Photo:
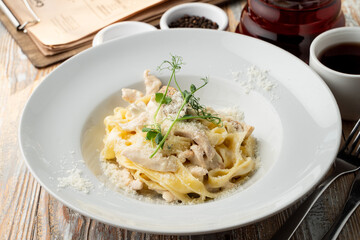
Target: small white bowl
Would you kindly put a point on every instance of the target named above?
(206, 10)
(120, 30)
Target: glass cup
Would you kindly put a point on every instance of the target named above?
(290, 24)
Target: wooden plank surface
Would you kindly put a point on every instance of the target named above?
(27, 211)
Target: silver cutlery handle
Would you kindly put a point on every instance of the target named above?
(294, 221)
(339, 223)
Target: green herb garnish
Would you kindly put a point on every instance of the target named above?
(173, 66)
(159, 98)
(154, 131)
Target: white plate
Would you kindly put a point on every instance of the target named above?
(297, 124)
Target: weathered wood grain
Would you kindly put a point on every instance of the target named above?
(27, 211)
(351, 9)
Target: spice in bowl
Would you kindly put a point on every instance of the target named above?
(188, 21)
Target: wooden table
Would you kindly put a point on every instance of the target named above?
(27, 211)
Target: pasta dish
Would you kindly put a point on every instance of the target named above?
(166, 143)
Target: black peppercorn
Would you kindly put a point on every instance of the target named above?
(193, 22)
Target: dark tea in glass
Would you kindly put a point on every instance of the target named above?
(289, 24)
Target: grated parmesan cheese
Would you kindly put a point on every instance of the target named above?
(255, 79)
(260, 78)
(75, 181)
(234, 112)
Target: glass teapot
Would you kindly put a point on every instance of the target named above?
(290, 24)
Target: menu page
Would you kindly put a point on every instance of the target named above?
(67, 21)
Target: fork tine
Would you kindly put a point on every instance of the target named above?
(357, 154)
(356, 141)
(351, 135)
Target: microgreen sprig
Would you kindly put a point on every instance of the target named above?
(154, 131)
(173, 66)
(200, 110)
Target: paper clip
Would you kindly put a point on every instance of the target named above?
(13, 19)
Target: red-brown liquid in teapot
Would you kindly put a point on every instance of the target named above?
(289, 24)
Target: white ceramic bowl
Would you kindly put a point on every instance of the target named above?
(70, 105)
(345, 87)
(120, 30)
(206, 10)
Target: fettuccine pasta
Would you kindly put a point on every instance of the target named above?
(199, 159)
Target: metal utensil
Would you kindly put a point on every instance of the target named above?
(343, 164)
(352, 202)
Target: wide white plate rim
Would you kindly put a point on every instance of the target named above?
(150, 230)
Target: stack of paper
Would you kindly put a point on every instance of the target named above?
(65, 25)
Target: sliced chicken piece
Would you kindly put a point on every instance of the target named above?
(198, 172)
(136, 123)
(203, 147)
(135, 109)
(198, 156)
(136, 184)
(131, 95)
(241, 126)
(152, 106)
(152, 83)
(171, 91)
(217, 162)
(199, 138)
(168, 196)
(171, 110)
(188, 154)
(236, 125)
(157, 163)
